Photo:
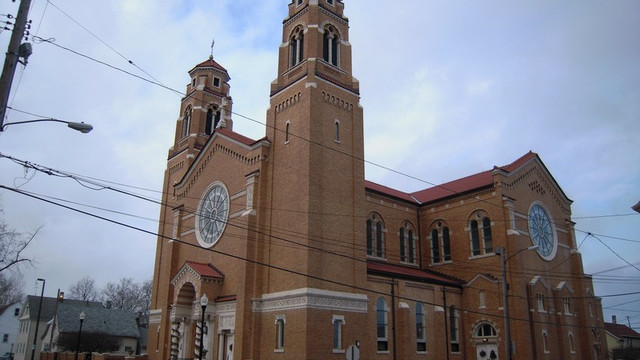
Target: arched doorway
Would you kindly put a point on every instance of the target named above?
(486, 340)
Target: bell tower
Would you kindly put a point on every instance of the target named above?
(316, 169)
(205, 107)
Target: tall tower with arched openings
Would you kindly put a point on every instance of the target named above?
(316, 169)
(205, 107)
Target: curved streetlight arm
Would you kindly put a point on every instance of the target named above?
(78, 126)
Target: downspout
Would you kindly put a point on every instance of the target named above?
(393, 315)
(446, 327)
(419, 238)
(532, 329)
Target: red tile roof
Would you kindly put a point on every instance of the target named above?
(237, 137)
(469, 183)
(206, 270)
(209, 63)
(411, 273)
(370, 185)
(621, 331)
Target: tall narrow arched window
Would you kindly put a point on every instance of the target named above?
(186, 122)
(382, 329)
(407, 243)
(213, 119)
(446, 244)
(208, 127)
(454, 326)
(375, 236)
(475, 238)
(435, 246)
(421, 330)
(296, 46)
(379, 240)
(286, 132)
(280, 322)
(330, 42)
(480, 234)
(486, 235)
(440, 242)
(337, 130)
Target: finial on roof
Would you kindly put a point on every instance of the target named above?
(213, 42)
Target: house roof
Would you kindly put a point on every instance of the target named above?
(411, 273)
(98, 320)
(206, 270)
(621, 331)
(48, 306)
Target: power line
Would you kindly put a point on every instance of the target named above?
(470, 266)
(294, 272)
(102, 41)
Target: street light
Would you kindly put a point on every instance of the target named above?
(35, 336)
(79, 334)
(78, 126)
(203, 303)
(502, 252)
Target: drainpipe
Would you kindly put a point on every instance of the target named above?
(446, 327)
(393, 315)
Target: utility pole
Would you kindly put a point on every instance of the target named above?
(11, 59)
(502, 252)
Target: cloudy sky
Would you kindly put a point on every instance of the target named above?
(448, 89)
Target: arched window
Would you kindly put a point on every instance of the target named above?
(186, 122)
(330, 46)
(213, 119)
(446, 244)
(382, 325)
(375, 236)
(280, 322)
(545, 342)
(338, 322)
(296, 46)
(435, 246)
(454, 326)
(481, 241)
(572, 348)
(286, 132)
(440, 243)
(485, 330)
(421, 332)
(407, 244)
(337, 131)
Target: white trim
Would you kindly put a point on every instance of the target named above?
(309, 298)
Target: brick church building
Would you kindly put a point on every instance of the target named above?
(299, 257)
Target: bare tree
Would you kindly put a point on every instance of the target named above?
(12, 245)
(85, 289)
(147, 289)
(11, 288)
(127, 295)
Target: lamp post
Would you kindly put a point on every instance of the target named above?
(502, 252)
(79, 334)
(203, 303)
(78, 126)
(35, 336)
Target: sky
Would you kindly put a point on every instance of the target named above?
(448, 89)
